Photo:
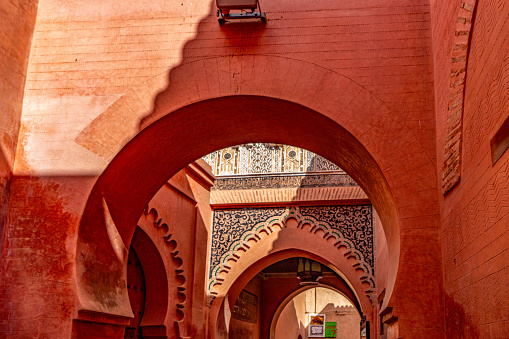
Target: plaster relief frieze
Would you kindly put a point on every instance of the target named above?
(264, 158)
(294, 181)
(350, 227)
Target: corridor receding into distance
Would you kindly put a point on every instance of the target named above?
(264, 169)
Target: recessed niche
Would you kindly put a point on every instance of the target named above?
(500, 141)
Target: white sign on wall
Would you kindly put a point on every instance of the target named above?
(316, 326)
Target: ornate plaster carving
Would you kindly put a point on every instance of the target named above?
(287, 181)
(263, 158)
(152, 217)
(350, 227)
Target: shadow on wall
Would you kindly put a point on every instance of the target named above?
(458, 324)
(239, 39)
(291, 323)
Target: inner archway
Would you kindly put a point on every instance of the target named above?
(179, 138)
(274, 281)
(294, 319)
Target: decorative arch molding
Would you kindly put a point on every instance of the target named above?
(156, 283)
(459, 62)
(252, 265)
(151, 218)
(306, 222)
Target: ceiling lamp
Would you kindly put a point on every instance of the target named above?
(243, 9)
(309, 271)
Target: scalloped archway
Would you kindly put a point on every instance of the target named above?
(304, 233)
(252, 266)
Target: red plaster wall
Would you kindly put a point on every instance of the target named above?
(203, 220)
(475, 214)
(17, 22)
(177, 211)
(37, 289)
(105, 76)
(20, 250)
(95, 70)
(381, 254)
(111, 72)
(182, 205)
(381, 270)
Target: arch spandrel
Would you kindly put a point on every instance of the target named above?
(295, 230)
(313, 86)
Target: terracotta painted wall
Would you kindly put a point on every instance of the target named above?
(175, 204)
(183, 206)
(381, 269)
(381, 255)
(37, 288)
(17, 22)
(475, 213)
(95, 70)
(104, 74)
(200, 179)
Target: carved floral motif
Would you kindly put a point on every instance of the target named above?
(230, 224)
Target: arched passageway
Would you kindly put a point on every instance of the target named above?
(279, 291)
(186, 134)
(256, 299)
(155, 301)
(293, 315)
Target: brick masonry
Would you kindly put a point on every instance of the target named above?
(459, 61)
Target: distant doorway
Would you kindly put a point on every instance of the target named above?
(338, 313)
(136, 290)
